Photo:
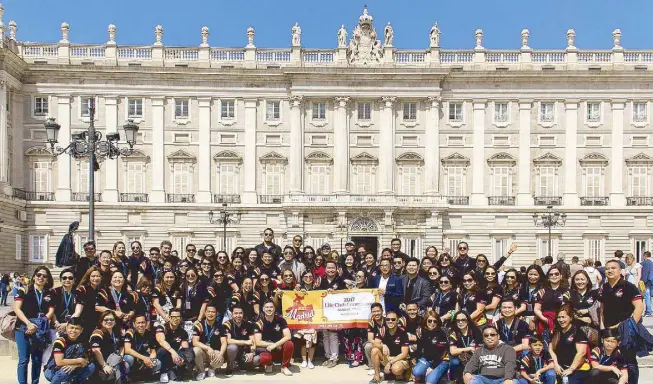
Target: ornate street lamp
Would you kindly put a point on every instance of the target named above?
(224, 218)
(90, 143)
(549, 220)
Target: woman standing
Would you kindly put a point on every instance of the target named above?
(86, 295)
(424, 267)
(209, 253)
(549, 300)
(165, 297)
(493, 294)
(252, 261)
(206, 270)
(444, 300)
(369, 266)
(445, 263)
(237, 274)
(348, 270)
(309, 336)
(512, 290)
(143, 305)
(266, 289)
(193, 298)
(34, 308)
(117, 300)
(471, 300)
(247, 299)
(119, 257)
(568, 348)
(64, 299)
(432, 352)
(633, 270)
(535, 280)
(219, 294)
(318, 269)
(106, 343)
(431, 253)
(309, 256)
(584, 302)
(223, 261)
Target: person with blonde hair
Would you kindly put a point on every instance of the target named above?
(633, 270)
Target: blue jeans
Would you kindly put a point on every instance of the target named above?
(478, 379)
(419, 371)
(76, 376)
(548, 377)
(454, 366)
(3, 294)
(647, 298)
(580, 377)
(25, 354)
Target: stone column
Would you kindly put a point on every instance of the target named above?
(617, 198)
(432, 147)
(249, 158)
(478, 157)
(204, 155)
(340, 146)
(570, 197)
(4, 137)
(524, 195)
(386, 145)
(110, 193)
(158, 190)
(296, 144)
(63, 192)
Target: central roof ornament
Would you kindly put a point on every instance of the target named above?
(364, 47)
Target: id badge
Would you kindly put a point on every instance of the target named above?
(529, 307)
(437, 310)
(188, 305)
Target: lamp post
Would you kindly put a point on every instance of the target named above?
(90, 143)
(342, 228)
(549, 220)
(223, 218)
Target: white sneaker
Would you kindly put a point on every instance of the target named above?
(268, 368)
(164, 378)
(310, 365)
(200, 376)
(304, 364)
(370, 372)
(286, 371)
(210, 373)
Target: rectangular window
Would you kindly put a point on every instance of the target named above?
(593, 112)
(501, 112)
(181, 109)
(640, 113)
(179, 244)
(639, 182)
(547, 112)
(594, 249)
(501, 178)
(86, 103)
(543, 247)
(319, 179)
(410, 111)
(182, 178)
(38, 249)
(641, 246)
(318, 140)
(273, 177)
(19, 247)
(227, 179)
(319, 111)
(364, 111)
(83, 177)
(412, 246)
(593, 182)
(546, 182)
(453, 245)
(41, 177)
(364, 180)
(41, 107)
(409, 181)
(135, 107)
(81, 240)
(455, 181)
(500, 249)
(273, 111)
(227, 109)
(456, 112)
(134, 177)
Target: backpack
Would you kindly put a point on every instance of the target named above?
(8, 325)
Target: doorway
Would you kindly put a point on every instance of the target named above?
(371, 243)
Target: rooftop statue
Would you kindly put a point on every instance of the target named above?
(364, 48)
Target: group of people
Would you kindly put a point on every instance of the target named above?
(152, 314)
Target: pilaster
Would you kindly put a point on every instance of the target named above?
(432, 144)
(570, 197)
(524, 195)
(617, 198)
(204, 155)
(296, 144)
(478, 197)
(249, 158)
(63, 192)
(386, 145)
(158, 193)
(341, 146)
(110, 193)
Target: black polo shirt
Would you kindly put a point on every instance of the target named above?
(337, 283)
(271, 331)
(105, 343)
(432, 345)
(618, 301)
(552, 299)
(239, 332)
(164, 296)
(458, 340)
(247, 301)
(271, 270)
(373, 327)
(410, 325)
(87, 297)
(33, 304)
(192, 299)
(444, 302)
(395, 341)
(566, 348)
(122, 301)
(141, 343)
(64, 304)
(514, 334)
(616, 359)
(468, 301)
(173, 337)
(531, 363)
(62, 344)
(210, 335)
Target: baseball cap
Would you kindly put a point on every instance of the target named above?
(326, 245)
(349, 242)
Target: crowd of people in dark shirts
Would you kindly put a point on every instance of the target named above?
(154, 315)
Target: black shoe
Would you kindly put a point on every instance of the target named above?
(228, 372)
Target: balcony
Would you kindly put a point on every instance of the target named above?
(547, 200)
(226, 199)
(180, 198)
(638, 201)
(457, 200)
(501, 200)
(597, 201)
(270, 199)
(20, 194)
(39, 196)
(133, 197)
(81, 196)
(357, 200)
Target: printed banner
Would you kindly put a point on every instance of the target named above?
(322, 310)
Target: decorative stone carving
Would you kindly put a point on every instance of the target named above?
(341, 102)
(137, 155)
(205, 36)
(616, 38)
(181, 156)
(250, 37)
(388, 101)
(296, 35)
(594, 159)
(434, 36)
(434, 101)
(112, 35)
(364, 158)
(158, 33)
(2, 24)
(295, 101)
(13, 28)
(364, 48)
(548, 159)
(456, 159)
(227, 156)
(389, 35)
(639, 159)
(318, 157)
(342, 37)
(273, 157)
(363, 224)
(38, 152)
(409, 157)
(501, 158)
(479, 38)
(65, 30)
(571, 37)
(525, 34)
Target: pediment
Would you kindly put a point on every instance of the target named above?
(364, 158)
(272, 157)
(38, 151)
(318, 156)
(501, 158)
(639, 159)
(594, 159)
(137, 154)
(548, 159)
(227, 156)
(455, 159)
(409, 157)
(181, 156)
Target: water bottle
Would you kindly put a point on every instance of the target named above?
(565, 380)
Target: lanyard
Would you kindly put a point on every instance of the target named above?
(468, 342)
(532, 293)
(67, 299)
(506, 331)
(39, 299)
(538, 363)
(190, 292)
(605, 359)
(116, 298)
(465, 299)
(207, 335)
(147, 305)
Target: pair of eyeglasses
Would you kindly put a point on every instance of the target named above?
(361, 276)
(64, 278)
(191, 275)
(288, 253)
(238, 253)
(222, 257)
(175, 317)
(109, 320)
(462, 248)
(398, 262)
(390, 319)
(135, 248)
(218, 275)
(481, 261)
(490, 274)
(486, 335)
(468, 280)
(431, 321)
(209, 264)
(309, 253)
(287, 276)
(264, 279)
(191, 250)
(154, 254)
(511, 277)
(41, 275)
(433, 273)
(444, 282)
(554, 274)
(267, 234)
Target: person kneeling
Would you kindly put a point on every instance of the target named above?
(390, 350)
(608, 364)
(493, 363)
(273, 339)
(175, 355)
(537, 366)
(209, 344)
(69, 362)
(241, 343)
(140, 350)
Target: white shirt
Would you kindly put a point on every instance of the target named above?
(382, 284)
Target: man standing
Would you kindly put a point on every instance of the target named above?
(395, 246)
(416, 288)
(618, 254)
(398, 264)
(390, 350)
(191, 251)
(390, 286)
(647, 278)
(291, 262)
(166, 252)
(375, 324)
(493, 363)
(463, 262)
(350, 248)
(620, 300)
(297, 242)
(574, 267)
(140, 350)
(268, 246)
(157, 265)
(564, 267)
(85, 261)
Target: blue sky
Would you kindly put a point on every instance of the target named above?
(501, 21)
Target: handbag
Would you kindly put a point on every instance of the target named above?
(8, 326)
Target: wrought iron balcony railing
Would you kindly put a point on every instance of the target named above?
(596, 201)
(133, 197)
(639, 201)
(547, 200)
(501, 200)
(228, 199)
(180, 198)
(457, 200)
(270, 199)
(39, 196)
(81, 196)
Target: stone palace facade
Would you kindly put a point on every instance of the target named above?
(364, 141)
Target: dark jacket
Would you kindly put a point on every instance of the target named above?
(274, 250)
(635, 336)
(394, 291)
(647, 271)
(422, 291)
(66, 255)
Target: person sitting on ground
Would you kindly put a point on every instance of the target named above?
(537, 365)
(512, 330)
(209, 345)
(432, 354)
(273, 339)
(70, 362)
(173, 344)
(493, 363)
(608, 364)
(140, 350)
(390, 350)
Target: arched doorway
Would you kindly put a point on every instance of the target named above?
(365, 231)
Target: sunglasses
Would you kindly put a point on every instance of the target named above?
(431, 321)
(135, 248)
(511, 277)
(212, 250)
(461, 320)
(398, 262)
(237, 253)
(154, 254)
(191, 250)
(264, 279)
(390, 320)
(218, 275)
(361, 276)
(287, 275)
(490, 274)
(191, 275)
(64, 278)
(468, 280)
(554, 274)
(462, 249)
(433, 273)
(481, 261)
(309, 253)
(444, 282)
(267, 234)
(41, 275)
(175, 317)
(109, 320)
(490, 334)
(209, 264)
